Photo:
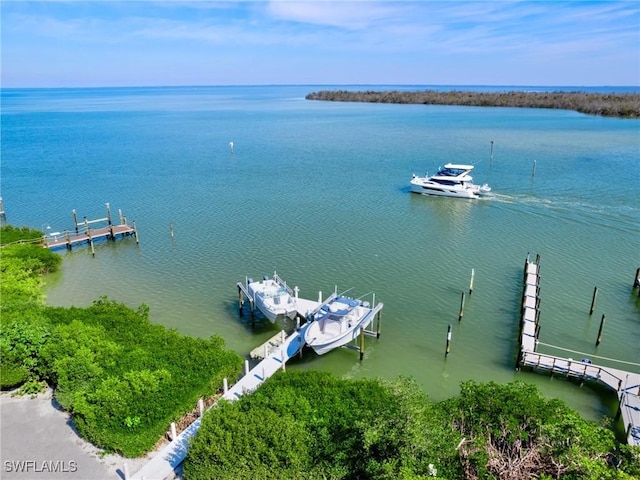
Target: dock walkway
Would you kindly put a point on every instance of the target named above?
(68, 239)
(163, 465)
(274, 354)
(625, 384)
(84, 233)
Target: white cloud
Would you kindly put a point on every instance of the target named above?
(343, 14)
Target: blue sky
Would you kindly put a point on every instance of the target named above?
(141, 43)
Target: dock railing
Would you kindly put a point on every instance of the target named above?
(572, 368)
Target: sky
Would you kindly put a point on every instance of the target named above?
(78, 43)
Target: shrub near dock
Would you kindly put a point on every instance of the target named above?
(123, 378)
(311, 425)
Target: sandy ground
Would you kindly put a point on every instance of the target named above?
(38, 441)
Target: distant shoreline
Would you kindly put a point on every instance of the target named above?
(622, 105)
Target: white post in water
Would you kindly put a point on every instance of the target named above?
(471, 284)
(491, 157)
(295, 291)
(320, 296)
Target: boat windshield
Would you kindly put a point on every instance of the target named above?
(450, 172)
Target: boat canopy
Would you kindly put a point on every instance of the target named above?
(458, 166)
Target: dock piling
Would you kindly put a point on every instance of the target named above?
(471, 283)
(448, 349)
(491, 155)
(240, 299)
(112, 235)
(461, 307)
(636, 281)
(282, 354)
(593, 300)
(599, 339)
(3, 217)
(75, 220)
(361, 344)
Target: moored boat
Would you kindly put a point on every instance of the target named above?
(273, 297)
(337, 321)
(451, 180)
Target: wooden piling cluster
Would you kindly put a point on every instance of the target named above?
(85, 233)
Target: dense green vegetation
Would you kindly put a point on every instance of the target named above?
(606, 104)
(123, 379)
(311, 425)
(10, 234)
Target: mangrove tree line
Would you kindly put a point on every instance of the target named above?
(626, 105)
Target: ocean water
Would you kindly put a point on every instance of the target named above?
(318, 191)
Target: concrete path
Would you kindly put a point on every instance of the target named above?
(38, 442)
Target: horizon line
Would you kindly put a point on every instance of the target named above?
(315, 85)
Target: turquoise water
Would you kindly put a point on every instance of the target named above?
(319, 193)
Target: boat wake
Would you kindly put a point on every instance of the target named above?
(621, 217)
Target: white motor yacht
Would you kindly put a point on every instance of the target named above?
(452, 180)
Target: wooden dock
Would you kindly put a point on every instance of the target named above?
(163, 465)
(625, 384)
(85, 233)
(273, 356)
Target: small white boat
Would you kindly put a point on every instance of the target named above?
(273, 297)
(337, 321)
(452, 180)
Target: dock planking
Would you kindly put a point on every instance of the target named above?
(625, 384)
(85, 234)
(164, 463)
